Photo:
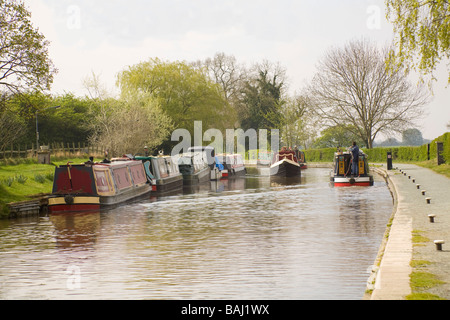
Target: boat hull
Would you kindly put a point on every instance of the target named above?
(70, 203)
(285, 168)
(167, 185)
(74, 203)
(202, 176)
(234, 173)
(351, 182)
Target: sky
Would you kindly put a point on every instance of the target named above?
(104, 37)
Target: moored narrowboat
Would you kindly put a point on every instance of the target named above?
(214, 164)
(285, 164)
(163, 173)
(341, 174)
(95, 186)
(233, 165)
(301, 159)
(194, 168)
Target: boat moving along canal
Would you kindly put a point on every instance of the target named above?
(285, 164)
(94, 186)
(341, 174)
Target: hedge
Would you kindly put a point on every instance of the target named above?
(401, 153)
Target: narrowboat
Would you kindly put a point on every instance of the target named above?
(194, 168)
(214, 165)
(341, 174)
(285, 164)
(233, 165)
(301, 159)
(95, 186)
(163, 173)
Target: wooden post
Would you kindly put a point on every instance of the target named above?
(440, 153)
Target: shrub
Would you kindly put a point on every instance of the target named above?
(39, 178)
(21, 179)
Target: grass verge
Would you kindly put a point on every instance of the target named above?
(21, 179)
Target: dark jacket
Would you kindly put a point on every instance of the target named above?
(355, 153)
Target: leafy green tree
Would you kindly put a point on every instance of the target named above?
(412, 137)
(262, 100)
(67, 124)
(184, 93)
(11, 124)
(422, 29)
(24, 58)
(24, 107)
(338, 136)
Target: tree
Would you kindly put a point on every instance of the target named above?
(127, 126)
(353, 87)
(422, 30)
(262, 98)
(24, 58)
(11, 124)
(412, 137)
(299, 122)
(338, 136)
(184, 93)
(225, 71)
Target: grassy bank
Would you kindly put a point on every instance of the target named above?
(443, 169)
(20, 179)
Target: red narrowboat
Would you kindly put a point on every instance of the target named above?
(285, 164)
(95, 186)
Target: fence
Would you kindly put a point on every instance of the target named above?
(56, 149)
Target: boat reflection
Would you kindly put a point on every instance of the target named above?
(76, 229)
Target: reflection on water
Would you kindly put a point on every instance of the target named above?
(250, 238)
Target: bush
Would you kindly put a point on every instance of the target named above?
(401, 153)
(21, 179)
(39, 178)
(8, 181)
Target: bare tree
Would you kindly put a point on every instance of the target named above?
(225, 71)
(126, 126)
(353, 86)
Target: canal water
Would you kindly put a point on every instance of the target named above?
(251, 238)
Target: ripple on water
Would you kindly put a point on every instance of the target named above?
(254, 240)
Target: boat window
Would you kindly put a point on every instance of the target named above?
(162, 168)
(169, 166)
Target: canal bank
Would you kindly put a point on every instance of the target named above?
(418, 193)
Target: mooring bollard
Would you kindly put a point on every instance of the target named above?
(431, 217)
(439, 244)
(418, 186)
(423, 192)
(414, 180)
(428, 200)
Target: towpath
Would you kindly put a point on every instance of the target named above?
(412, 216)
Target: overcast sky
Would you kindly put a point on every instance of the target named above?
(106, 36)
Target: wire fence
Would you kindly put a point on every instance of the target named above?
(55, 149)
